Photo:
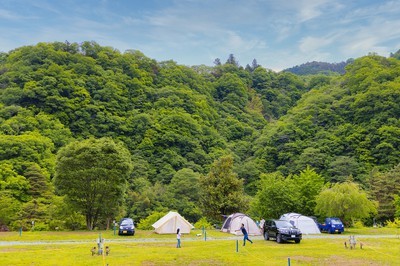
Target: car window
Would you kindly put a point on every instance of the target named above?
(282, 224)
(127, 222)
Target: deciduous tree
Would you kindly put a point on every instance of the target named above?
(346, 201)
(276, 195)
(222, 190)
(92, 174)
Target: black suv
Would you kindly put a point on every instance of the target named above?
(281, 231)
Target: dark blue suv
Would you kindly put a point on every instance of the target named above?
(126, 227)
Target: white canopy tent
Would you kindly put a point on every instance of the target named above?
(169, 223)
(234, 221)
(306, 224)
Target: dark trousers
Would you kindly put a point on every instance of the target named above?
(246, 237)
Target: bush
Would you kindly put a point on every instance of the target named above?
(394, 224)
(56, 225)
(203, 223)
(75, 221)
(146, 224)
(358, 224)
(40, 226)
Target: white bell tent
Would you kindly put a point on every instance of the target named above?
(169, 223)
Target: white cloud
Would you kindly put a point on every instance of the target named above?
(277, 33)
(311, 44)
(310, 9)
(8, 15)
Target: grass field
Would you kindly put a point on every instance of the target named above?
(380, 247)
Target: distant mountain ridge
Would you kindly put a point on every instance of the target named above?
(314, 67)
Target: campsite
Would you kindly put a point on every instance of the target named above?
(148, 248)
(90, 134)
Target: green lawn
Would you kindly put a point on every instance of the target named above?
(147, 248)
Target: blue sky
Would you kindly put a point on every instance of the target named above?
(277, 33)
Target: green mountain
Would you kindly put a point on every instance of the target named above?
(314, 67)
(345, 127)
(177, 120)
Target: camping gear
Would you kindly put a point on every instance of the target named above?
(234, 221)
(307, 225)
(170, 222)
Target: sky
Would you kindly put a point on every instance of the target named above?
(277, 33)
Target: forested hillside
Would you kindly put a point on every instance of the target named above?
(314, 67)
(347, 126)
(193, 133)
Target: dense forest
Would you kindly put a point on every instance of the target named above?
(90, 134)
(314, 67)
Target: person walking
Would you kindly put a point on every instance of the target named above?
(245, 235)
(178, 237)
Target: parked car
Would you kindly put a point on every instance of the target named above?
(281, 231)
(332, 225)
(126, 227)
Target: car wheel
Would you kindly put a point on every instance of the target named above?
(278, 238)
(297, 241)
(339, 232)
(266, 236)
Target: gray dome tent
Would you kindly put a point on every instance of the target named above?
(234, 221)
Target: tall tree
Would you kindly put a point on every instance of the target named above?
(222, 190)
(92, 174)
(232, 60)
(39, 184)
(309, 184)
(254, 64)
(184, 194)
(217, 62)
(384, 188)
(276, 195)
(346, 201)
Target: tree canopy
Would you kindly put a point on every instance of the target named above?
(93, 175)
(346, 201)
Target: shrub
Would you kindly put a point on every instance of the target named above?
(358, 224)
(75, 221)
(40, 226)
(203, 222)
(146, 223)
(394, 224)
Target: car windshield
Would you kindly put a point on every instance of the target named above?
(283, 224)
(127, 222)
(336, 221)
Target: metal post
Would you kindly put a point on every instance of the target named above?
(20, 231)
(100, 245)
(205, 235)
(288, 261)
(237, 245)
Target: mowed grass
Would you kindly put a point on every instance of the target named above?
(147, 248)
